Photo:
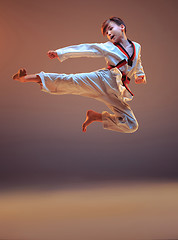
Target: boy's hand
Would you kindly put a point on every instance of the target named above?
(52, 54)
(140, 79)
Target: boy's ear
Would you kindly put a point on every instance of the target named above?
(122, 27)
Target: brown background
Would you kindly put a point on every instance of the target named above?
(41, 139)
(59, 183)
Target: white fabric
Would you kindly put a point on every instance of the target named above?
(104, 85)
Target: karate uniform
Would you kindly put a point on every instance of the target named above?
(105, 84)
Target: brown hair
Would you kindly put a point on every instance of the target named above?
(117, 20)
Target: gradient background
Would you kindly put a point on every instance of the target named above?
(42, 144)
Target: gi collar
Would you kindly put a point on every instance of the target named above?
(123, 50)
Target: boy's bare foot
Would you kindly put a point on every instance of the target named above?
(91, 116)
(19, 75)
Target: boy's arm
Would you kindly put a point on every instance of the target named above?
(139, 75)
(81, 50)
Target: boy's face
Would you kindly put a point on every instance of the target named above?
(114, 32)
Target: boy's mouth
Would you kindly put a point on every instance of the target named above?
(112, 37)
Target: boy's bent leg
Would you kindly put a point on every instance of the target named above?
(100, 85)
(122, 120)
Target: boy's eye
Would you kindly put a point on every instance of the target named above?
(109, 29)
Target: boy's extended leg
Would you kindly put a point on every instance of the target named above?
(100, 85)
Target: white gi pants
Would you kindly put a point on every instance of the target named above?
(100, 85)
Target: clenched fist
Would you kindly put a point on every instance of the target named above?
(52, 54)
(140, 79)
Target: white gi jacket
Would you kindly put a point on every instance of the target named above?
(113, 55)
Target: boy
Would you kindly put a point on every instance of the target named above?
(107, 85)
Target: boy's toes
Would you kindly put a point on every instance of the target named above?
(21, 73)
(15, 76)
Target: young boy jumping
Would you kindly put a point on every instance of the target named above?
(108, 85)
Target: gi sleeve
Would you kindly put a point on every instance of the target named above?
(139, 68)
(81, 50)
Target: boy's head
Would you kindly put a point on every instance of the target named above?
(113, 28)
